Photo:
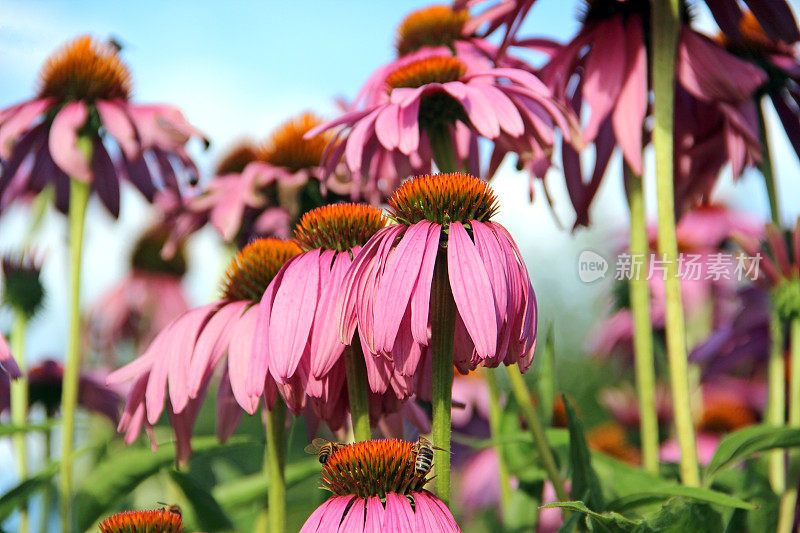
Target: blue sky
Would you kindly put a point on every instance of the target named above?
(240, 68)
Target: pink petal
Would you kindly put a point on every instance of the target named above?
(387, 127)
(119, 125)
(292, 314)
(629, 114)
(491, 255)
(7, 361)
(605, 73)
(239, 355)
(228, 411)
(259, 363)
(508, 116)
(354, 519)
(312, 524)
(480, 112)
(358, 138)
(19, 122)
(402, 269)
(180, 347)
(472, 291)
(409, 127)
(212, 343)
(399, 517)
(326, 347)
(63, 141)
(332, 518)
(375, 514)
(421, 296)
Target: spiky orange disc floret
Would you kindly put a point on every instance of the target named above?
(372, 468)
(251, 271)
(338, 227)
(437, 69)
(724, 414)
(235, 159)
(287, 148)
(85, 69)
(154, 521)
(443, 198)
(431, 26)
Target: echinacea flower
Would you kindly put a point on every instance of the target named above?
(146, 300)
(8, 366)
(83, 102)
(434, 106)
(23, 290)
(507, 14)
(153, 521)
(376, 488)
(443, 218)
(774, 16)
(611, 439)
(44, 389)
(297, 330)
(780, 60)
(604, 71)
(179, 363)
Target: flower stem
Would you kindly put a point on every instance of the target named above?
(766, 166)
(644, 361)
(444, 153)
(47, 493)
(358, 390)
(78, 200)
(276, 462)
(523, 398)
(495, 419)
(443, 321)
(665, 28)
(776, 407)
(19, 405)
(789, 498)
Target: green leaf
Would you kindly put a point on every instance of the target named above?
(248, 489)
(607, 521)
(667, 491)
(680, 516)
(8, 430)
(118, 475)
(205, 512)
(546, 381)
(585, 483)
(745, 442)
(21, 494)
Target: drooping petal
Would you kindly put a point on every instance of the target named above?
(20, 121)
(354, 519)
(64, 138)
(212, 343)
(7, 361)
(292, 314)
(228, 411)
(387, 126)
(605, 73)
(180, 347)
(119, 125)
(421, 296)
(399, 516)
(106, 182)
(239, 355)
(472, 290)
(326, 347)
(375, 515)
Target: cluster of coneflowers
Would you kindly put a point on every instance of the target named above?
(364, 311)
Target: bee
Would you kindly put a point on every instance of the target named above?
(423, 456)
(174, 509)
(323, 449)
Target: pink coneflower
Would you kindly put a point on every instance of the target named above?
(145, 301)
(443, 218)
(297, 324)
(774, 16)
(84, 95)
(507, 14)
(434, 107)
(179, 363)
(44, 389)
(154, 521)
(376, 489)
(8, 366)
(604, 71)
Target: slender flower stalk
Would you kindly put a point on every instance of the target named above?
(665, 25)
(789, 497)
(523, 397)
(358, 391)
(79, 198)
(644, 362)
(19, 406)
(776, 407)
(495, 415)
(276, 464)
(766, 166)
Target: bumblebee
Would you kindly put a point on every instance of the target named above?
(174, 509)
(423, 456)
(323, 449)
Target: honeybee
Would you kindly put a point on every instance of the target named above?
(323, 449)
(174, 509)
(423, 456)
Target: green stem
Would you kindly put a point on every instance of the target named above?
(358, 390)
(523, 398)
(276, 463)
(444, 153)
(495, 419)
(644, 361)
(78, 199)
(766, 166)
(47, 493)
(443, 321)
(19, 405)
(789, 498)
(776, 407)
(665, 27)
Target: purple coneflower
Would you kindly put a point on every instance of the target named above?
(84, 90)
(376, 488)
(179, 363)
(154, 521)
(8, 365)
